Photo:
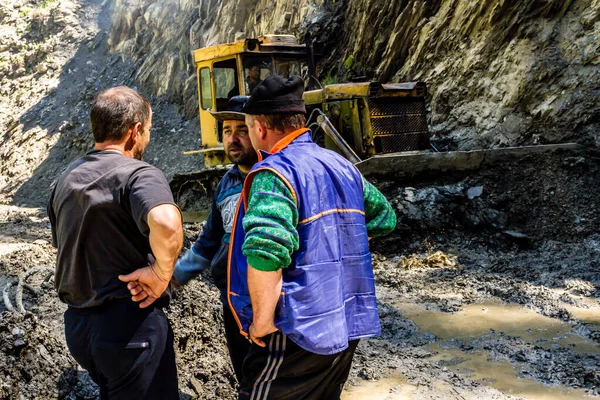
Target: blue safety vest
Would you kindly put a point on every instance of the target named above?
(328, 291)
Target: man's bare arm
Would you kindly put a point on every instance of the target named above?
(166, 239)
(265, 290)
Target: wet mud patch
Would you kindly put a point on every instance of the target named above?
(202, 358)
(552, 290)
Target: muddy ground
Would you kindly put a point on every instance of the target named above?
(514, 250)
(488, 289)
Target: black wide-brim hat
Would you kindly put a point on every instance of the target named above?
(277, 95)
(233, 110)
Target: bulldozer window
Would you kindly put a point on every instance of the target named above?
(226, 86)
(287, 66)
(256, 69)
(205, 88)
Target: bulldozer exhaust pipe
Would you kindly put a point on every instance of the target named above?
(313, 82)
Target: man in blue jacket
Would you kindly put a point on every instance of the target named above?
(212, 246)
(301, 282)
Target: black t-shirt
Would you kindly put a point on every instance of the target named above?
(98, 212)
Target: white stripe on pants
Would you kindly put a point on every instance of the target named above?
(269, 373)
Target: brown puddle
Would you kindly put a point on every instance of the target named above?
(502, 375)
(472, 322)
(513, 320)
(194, 216)
(586, 315)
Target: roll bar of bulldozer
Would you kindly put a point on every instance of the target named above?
(335, 136)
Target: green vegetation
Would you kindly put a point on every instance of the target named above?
(25, 11)
(20, 94)
(330, 80)
(349, 61)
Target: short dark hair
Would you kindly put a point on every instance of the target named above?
(282, 122)
(115, 110)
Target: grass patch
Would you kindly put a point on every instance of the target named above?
(349, 61)
(330, 80)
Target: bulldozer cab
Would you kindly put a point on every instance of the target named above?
(360, 120)
(233, 69)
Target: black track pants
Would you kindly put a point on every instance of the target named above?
(283, 370)
(127, 351)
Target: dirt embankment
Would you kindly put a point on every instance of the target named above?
(54, 59)
(498, 73)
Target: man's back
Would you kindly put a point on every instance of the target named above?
(111, 214)
(99, 217)
(329, 279)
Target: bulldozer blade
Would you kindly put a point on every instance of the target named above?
(409, 165)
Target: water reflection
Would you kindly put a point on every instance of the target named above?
(194, 216)
(472, 322)
(393, 388)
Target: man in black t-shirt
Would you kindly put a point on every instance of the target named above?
(114, 221)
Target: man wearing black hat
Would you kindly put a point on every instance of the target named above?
(211, 247)
(301, 282)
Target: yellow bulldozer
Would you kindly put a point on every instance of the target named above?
(359, 120)
(382, 128)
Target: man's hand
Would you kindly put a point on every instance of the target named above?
(146, 284)
(256, 334)
(166, 237)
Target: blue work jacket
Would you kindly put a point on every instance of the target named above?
(328, 291)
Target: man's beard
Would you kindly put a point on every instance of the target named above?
(138, 153)
(242, 158)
